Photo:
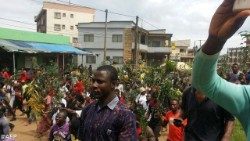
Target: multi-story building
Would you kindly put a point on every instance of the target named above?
(181, 51)
(247, 40)
(120, 43)
(58, 18)
(239, 55)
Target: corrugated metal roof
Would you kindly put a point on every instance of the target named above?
(35, 47)
(10, 46)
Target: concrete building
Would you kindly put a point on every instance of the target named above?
(240, 55)
(247, 39)
(152, 46)
(181, 51)
(57, 18)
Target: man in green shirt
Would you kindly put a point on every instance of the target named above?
(232, 97)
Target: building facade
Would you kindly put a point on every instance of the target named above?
(57, 18)
(120, 43)
(239, 55)
(181, 51)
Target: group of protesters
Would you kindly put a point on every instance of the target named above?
(101, 111)
(63, 119)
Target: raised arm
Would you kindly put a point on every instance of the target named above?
(232, 97)
(223, 25)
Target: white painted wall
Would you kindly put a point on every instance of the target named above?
(97, 47)
(67, 21)
(99, 57)
(99, 38)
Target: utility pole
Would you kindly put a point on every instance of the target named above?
(105, 36)
(200, 42)
(136, 53)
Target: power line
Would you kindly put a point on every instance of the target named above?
(122, 14)
(143, 20)
(98, 9)
(17, 21)
(31, 24)
(111, 12)
(19, 26)
(57, 33)
(70, 30)
(65, 2)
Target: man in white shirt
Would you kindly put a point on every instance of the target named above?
(142, 98)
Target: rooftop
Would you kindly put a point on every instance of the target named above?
(20, 35)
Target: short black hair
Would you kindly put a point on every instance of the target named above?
(174, 99)
(113, 74)
(64, 112)
(235, 64)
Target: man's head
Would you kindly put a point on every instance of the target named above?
(61, 118)
(117, 92)
(148, 97)
(174, 105)
(235, 68)
(104, 81)
(199, 96)
(142, 90)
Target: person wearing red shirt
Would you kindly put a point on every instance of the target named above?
(23, 76)
(6, 74)
(122, 98)
(79, 87)
(176, 133)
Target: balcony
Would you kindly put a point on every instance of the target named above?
(159, 50)
(145, 48)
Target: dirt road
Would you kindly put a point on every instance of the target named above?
(24, 132)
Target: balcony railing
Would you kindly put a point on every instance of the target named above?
(159, 49)
(145, 48)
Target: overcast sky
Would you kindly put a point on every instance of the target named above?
(185, 19)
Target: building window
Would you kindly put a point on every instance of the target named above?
(118, 60)
(156, 43)
(71, 15)
(57, 15)
(90, 59)
(75, 40)
(63, 26)
(72, 27)
(143, 39)
(117, 38)
(88, 37)
(182, 50)
(42, 21)
(64, 14)
(57, 27)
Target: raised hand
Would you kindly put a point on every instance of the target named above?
(224, 24)
(225, 21)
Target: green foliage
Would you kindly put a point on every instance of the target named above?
(132, 94)
(154, 75)
(140, 114)
(85, 76)
(169, 66)
(238, 132)
(165, 89)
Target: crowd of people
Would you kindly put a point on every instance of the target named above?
(101, 111)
